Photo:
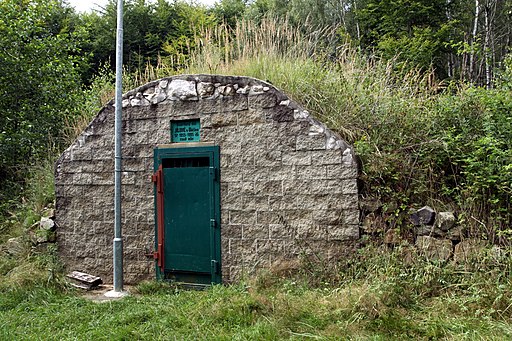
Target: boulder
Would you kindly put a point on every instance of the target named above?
(445, 220)
(429, 230)
(433, 248)
(42, 236)
(424, 216)
(370, 204)
(47, 224)
(455, 233)
(423, 230)
(14, 246)
(468, 250)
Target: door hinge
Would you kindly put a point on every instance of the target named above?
(213, 223)
(215, 266)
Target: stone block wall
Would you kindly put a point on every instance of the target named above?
(288, 184)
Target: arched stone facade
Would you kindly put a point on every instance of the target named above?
(287, 183)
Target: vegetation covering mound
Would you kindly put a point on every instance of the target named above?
(431, 123)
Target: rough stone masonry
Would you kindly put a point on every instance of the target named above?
(288, 184)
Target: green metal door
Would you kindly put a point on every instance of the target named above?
(187, 231)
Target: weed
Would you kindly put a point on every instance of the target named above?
(392, 300)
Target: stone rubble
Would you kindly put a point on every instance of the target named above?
(38, 236)
(423, 216)
(445, 221)
(433, 248)
(466, 250)
(436, 235)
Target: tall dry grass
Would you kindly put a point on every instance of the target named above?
(374, 104)
(397, 116)
(394, 115)
(334, 80)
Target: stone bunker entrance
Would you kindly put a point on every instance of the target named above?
(222, 176)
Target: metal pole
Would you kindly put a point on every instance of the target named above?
(118, 240)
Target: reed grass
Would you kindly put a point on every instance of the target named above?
(397, 117)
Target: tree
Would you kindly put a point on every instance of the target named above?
(229, 11)
(151, 29)
(415, 31)
(39, 82)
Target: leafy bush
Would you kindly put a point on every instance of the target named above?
(420, 141)
(39, 84)
(476, 133)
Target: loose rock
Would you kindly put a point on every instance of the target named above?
(373, 223)
(434, 249)
(47, 224)
(424, 216)
(455, 233)
(205, 89)
(14, 246)
(370, 204)
(392, 237)
(424, 230)
(468, 250)
(445, 220)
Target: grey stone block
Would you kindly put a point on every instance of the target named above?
(311, 172)
(313, 232)
(306, 142)
(262, 100)
(340, 232)
(255, 231)
(267, 158)
(298, 186)
(269, 218)
(341, 172)
(282, 202)
(232, 231)
(255, 202)
(425, 215)
(351, 217)
(251, 117)
(297, 158)
(445, 220)
(274, 187)
(328, 217)
(435, 249)
(279, 231)
(232, 103)
(242, 217)
(225, 119)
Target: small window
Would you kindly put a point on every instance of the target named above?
(186, 162)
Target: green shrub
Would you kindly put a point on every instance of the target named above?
(477, 139)
(419, 141)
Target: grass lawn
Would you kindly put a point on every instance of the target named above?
(282, 310)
